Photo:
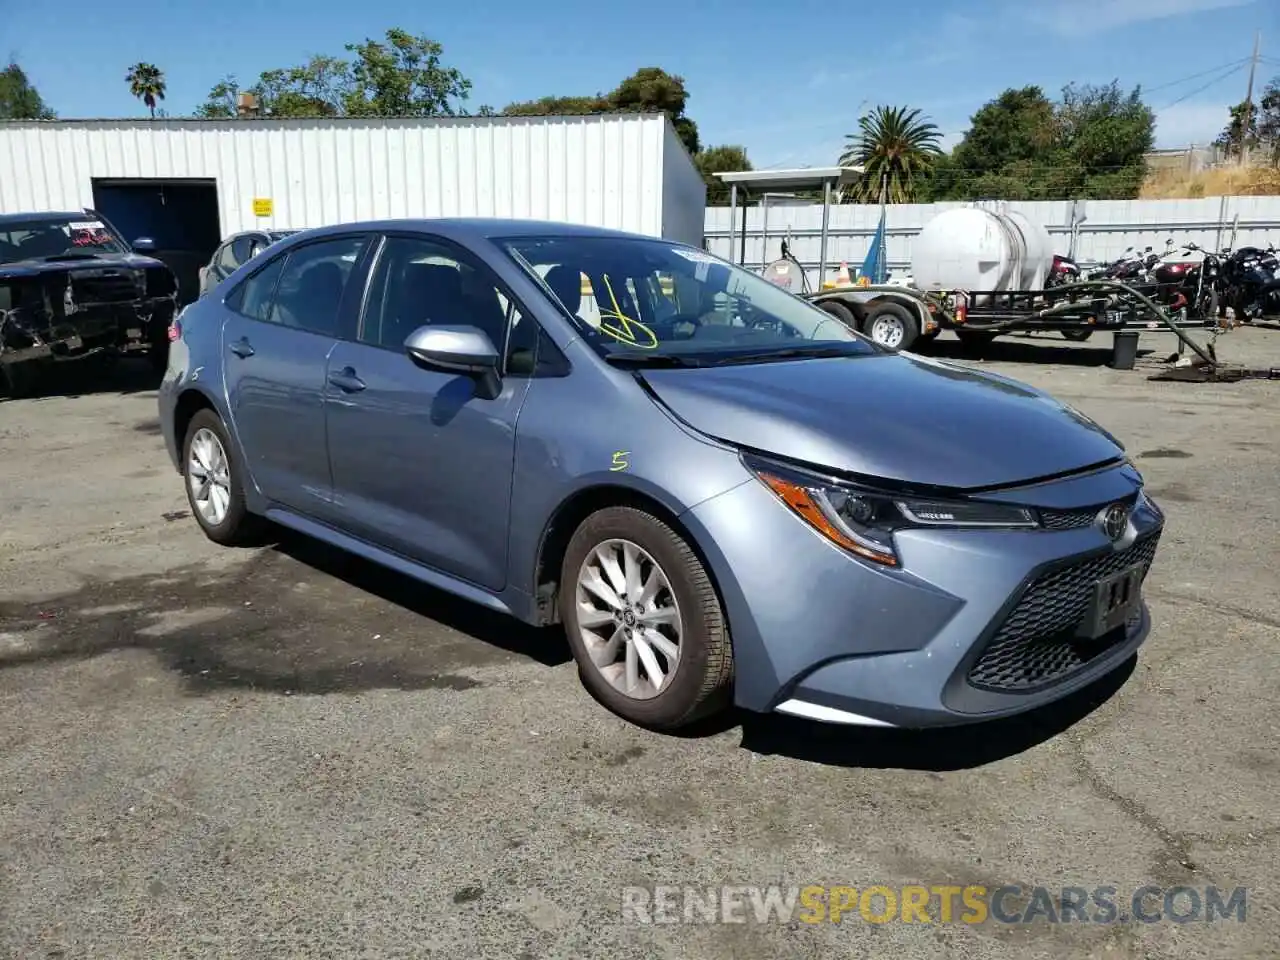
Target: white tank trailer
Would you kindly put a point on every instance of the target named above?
(974, 249)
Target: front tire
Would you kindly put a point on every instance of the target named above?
(892, 325)
(1077, 336)
(215, 483)
(644, 621)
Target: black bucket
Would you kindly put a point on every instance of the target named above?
(1125, 351)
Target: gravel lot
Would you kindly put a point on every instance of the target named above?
(289, 752)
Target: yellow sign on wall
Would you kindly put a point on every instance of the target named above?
(263, 206)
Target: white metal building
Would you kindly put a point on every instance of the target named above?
(181, 181)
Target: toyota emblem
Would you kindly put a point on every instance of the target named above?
(1114, 520)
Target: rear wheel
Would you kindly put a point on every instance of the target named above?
(215, 483)
(643, 620)
(892, 325)
(840, 312)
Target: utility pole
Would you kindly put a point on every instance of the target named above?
(1248, 100)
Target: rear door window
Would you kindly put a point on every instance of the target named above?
(312, 284)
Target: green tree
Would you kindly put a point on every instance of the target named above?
(402, 76)
(1261, 129)
(896, 148)
(1022, 146)
(19, 100)
(146, 82)
(722, 159)
(648, 90)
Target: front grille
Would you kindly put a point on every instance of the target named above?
(1075, 518)
(1036, 645)
(121, 287)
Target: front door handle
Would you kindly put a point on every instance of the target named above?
(242, 348)
(347, 380)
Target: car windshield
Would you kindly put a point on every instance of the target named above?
(653, 301)
(41, 238)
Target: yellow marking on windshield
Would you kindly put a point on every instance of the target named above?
(627, 333)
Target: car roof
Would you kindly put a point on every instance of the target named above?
(41, 215)
(477, 228)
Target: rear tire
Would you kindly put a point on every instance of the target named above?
(840, 312)
(210, 467)
(651, 580)
(892, 326)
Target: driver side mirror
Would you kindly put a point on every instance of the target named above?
(144, 245)
(464, 350)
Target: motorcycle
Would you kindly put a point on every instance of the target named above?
(1252, 286)
(1063, 271)
(1190, 284)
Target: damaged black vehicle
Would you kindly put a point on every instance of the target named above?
(71, 287)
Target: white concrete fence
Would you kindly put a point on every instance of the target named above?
(1107, 228)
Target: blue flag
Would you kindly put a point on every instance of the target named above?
(876, 267)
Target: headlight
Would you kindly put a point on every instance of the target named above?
(863, 521)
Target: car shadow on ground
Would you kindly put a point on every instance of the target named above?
(940, 749)
(547, 647)
(1040, 350)
(97, 374)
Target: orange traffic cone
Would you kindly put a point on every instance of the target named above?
(842, 278)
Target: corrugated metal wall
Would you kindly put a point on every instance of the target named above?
(1109, 227)
(606, 171)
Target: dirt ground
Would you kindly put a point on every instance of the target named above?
(289, 752)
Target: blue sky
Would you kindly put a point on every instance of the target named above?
(787, 80)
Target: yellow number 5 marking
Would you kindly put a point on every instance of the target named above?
(620, 461)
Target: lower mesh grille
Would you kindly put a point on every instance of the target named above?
(1036, 645)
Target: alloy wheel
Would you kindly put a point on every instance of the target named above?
(628, 618)
(209, 476)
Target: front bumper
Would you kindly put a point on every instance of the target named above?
(970, 628)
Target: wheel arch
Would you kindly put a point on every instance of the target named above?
(582, 503)
(188, 403)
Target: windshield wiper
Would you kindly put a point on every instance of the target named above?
(652, 360)
(71, 256)
(789, 353)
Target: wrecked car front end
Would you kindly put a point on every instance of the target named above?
(57, 311)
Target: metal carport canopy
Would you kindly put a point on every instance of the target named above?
(803, 178)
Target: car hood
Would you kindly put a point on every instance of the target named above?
(30, 268)
(897, 417)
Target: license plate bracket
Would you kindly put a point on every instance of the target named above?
(1115, 598)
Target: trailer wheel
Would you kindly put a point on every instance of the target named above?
(892, 325)
(1077, 336)
(840, 312)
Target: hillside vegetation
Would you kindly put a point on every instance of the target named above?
(1217, 182)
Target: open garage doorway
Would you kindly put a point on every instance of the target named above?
(181, 216)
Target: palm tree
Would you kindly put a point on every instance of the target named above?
(895, 146)
(146, 82)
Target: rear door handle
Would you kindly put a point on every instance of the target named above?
(242, 348)
(347, 380)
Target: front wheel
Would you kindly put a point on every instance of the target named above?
(892, 325)
(1077, 336)
(644, 621)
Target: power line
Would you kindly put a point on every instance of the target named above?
(1196, 76)
(1218, 79)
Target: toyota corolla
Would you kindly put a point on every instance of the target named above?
(722, 493)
